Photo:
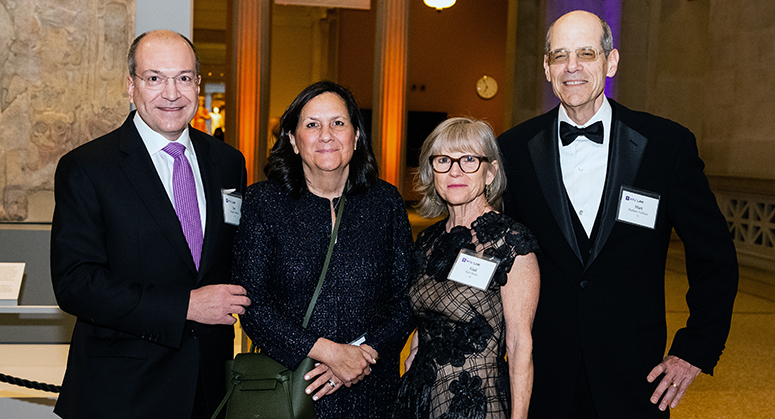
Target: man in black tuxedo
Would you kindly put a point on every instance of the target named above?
(141, 250)
(602, 202)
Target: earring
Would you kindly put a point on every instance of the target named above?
(487, 191)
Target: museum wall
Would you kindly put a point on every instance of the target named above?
(448, 52)
(304, 50)
(705, 64)
(739, 89)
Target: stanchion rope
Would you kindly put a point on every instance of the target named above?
(29, 384)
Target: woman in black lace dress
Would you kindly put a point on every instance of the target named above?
(472, 307)
(321, 157)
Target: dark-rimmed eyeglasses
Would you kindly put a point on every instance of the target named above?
(468, 164)
(586, 55)
(157, 82)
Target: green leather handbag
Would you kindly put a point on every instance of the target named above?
(260, 387)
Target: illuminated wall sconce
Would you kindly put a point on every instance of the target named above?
(439, 4)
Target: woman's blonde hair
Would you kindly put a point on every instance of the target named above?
(462, 134)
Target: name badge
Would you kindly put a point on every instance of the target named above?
(473, 270)
(232, 206)
(637, 207)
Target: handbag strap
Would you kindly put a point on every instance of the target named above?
(311, 307)
(225, 399)
(339, 210)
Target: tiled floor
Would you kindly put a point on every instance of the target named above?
(743, 386)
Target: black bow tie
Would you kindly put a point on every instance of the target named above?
(594, 132)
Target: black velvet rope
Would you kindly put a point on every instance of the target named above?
(29, 384)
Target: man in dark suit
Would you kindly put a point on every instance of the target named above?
(141, 251)
(602, 202)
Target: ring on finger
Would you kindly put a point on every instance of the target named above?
(332, 383)
(674, 386)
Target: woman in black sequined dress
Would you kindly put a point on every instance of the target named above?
(322, 153)
(457, 368)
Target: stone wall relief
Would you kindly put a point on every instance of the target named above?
(62, 83)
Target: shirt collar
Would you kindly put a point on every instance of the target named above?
(603, 114)
(154, 141)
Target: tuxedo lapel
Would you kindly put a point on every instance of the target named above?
(139, 168)
(544, 153)
(627, 147)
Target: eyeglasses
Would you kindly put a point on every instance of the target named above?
(157, 82)
(586, 55)
(468, 163)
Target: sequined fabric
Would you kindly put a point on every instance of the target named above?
(280, 248)
(459, 369)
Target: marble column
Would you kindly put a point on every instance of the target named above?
(390, 68)
(247, 86)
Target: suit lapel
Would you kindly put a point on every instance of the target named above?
(139, 168)
(210, 174)
(627, 147)
(544, 152)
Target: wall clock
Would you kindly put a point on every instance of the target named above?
(486, 87)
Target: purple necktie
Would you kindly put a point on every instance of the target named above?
(186, 204)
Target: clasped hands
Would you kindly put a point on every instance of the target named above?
(340, 364)
(216, 304)
(678, 374)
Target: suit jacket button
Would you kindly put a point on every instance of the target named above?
(193, 333)
(583, 284)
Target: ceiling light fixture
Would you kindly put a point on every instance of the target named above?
(439, 4)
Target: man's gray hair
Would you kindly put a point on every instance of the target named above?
(606, 41)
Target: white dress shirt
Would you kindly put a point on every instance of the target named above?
(584, 165)
(163, 162)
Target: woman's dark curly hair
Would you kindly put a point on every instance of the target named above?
(285, 167)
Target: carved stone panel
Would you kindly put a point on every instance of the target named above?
(62, 83)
